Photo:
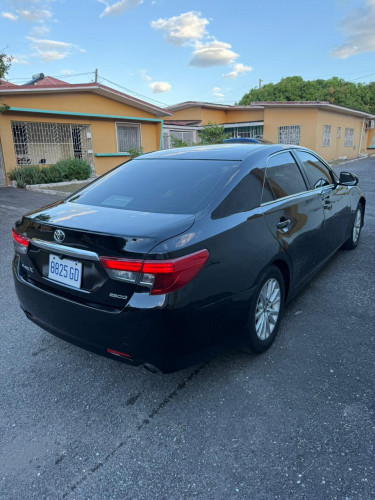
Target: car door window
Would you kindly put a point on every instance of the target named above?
(284, 176)
(243, 197)
(317, 173)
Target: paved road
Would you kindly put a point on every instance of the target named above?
(296, 422)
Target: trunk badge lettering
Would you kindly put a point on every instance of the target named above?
(116, 296)
(59, 236)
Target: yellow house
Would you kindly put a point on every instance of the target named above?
(49, 120)
(330, 130)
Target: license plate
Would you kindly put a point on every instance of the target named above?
(66, 271)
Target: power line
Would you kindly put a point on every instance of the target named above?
(132, 91)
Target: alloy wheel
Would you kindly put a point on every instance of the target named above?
(357, 225)
(267, 309)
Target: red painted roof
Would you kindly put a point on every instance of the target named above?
(4, 83)
(49, 80)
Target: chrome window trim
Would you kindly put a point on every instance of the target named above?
(318, 190)
(63, 249)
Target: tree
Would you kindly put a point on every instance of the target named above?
(4, 68)
(213, 134)
(334, 90)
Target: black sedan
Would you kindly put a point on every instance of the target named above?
(174, 256)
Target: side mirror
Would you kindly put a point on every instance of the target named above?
(348, 179)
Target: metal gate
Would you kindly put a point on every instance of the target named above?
(37, 143)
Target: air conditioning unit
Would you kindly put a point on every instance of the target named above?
(370, 124)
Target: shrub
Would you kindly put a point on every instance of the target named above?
(213, 134)
(72, 168)
(134, 152)
(26, 174)
(63, 170)
(178, 143)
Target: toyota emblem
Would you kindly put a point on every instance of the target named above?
(59, 235)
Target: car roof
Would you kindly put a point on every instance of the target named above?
(236, 152)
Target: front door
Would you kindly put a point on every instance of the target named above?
(293, 214)
(334, 200)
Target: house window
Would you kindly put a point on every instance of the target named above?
(349, 137)
(255, 131)
(128, 136)
(326, 135)
(338, 135)
(46, 143)
(372, 143)
(183, 135)
(189, 136)
(289, 134)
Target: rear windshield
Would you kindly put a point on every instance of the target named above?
(160, 185)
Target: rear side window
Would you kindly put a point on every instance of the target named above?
(284, 176)
(317, 173)
(160, 185)
(243, 197)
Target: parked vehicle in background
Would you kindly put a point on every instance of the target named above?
(179, 254)
(246, 140)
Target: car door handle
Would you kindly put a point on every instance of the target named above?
(284, 223)
(327, 204)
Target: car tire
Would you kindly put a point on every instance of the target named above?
(355, 233)
(266, 309)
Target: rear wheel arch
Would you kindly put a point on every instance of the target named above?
(284, 268)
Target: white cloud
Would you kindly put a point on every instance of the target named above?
(217, 92)
(51, 50)
(19, 60)
(115, 9)
(35, 15)
(238, 69)
(9, 15)
(213, 53)
(143, 74)
(359, 29)
(52, 55)
(179, 30)
(50, 44)
(67, 72)
(39, 31)
(160, 87)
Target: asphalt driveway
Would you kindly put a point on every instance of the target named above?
(295, 422)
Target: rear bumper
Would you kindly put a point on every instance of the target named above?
(148, 332)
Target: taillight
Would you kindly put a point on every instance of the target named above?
(162, 276)
(21, 243)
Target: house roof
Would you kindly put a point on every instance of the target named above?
(4, 83)
(313, 104)
(182, 123)
(52, 85)
(209, 105)
(268, 104)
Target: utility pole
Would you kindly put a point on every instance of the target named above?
(260, 83)
(96, 75)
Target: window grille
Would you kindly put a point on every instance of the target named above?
(255, 131)
(326, 135)
(338, 135)
(46, 143)
(184, 135)
(188, 136)
(349, 137)
(289, 134)
(128, 136)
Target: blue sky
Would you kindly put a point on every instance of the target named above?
(177, 50)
